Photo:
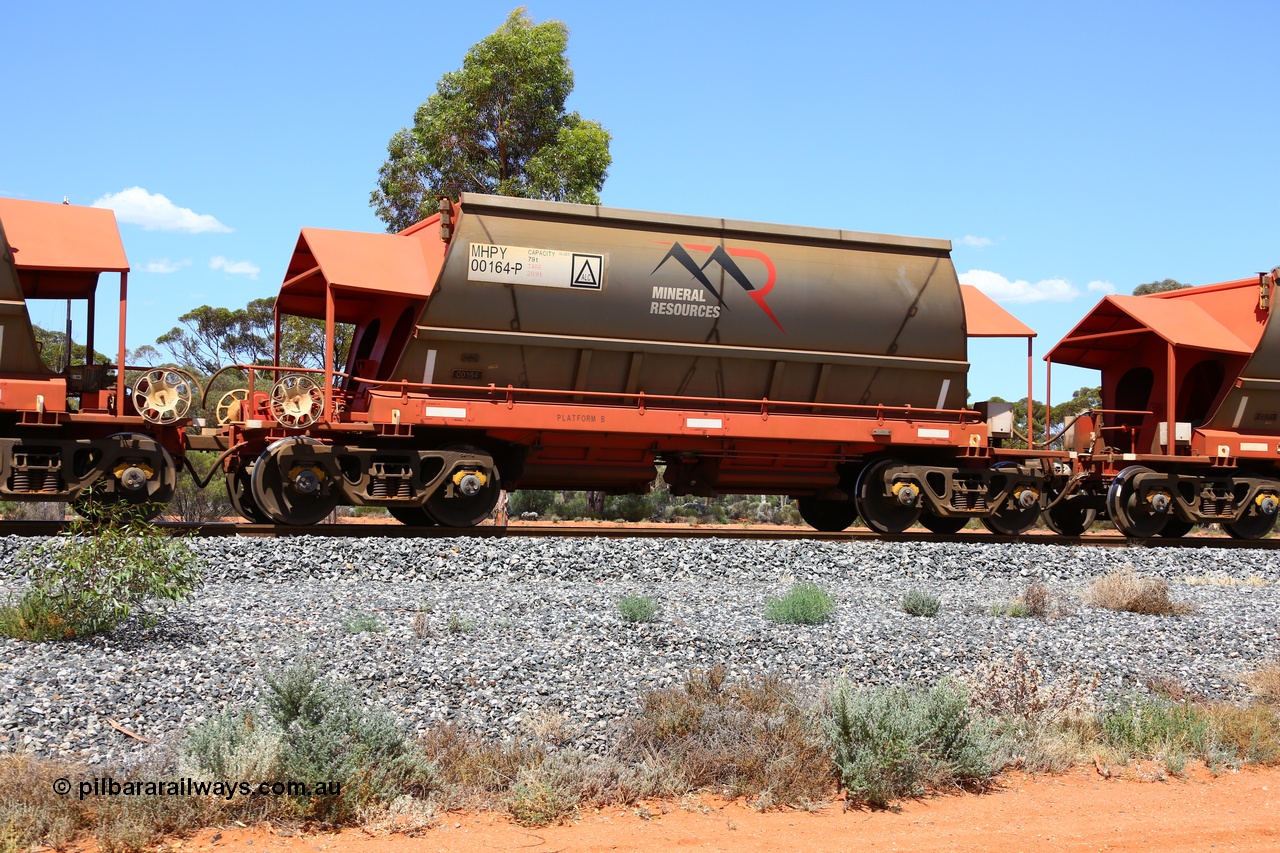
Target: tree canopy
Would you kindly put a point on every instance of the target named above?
(52, 347)
(1081, 400)
(210, 338)
(1158, 287)
(497, 125)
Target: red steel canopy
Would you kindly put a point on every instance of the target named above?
(1111, 326)
(355, 266)
(985, 319)
(59, 249)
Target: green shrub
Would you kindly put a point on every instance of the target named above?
(896, 742)
(362, 622)
(459, 624)
(638, 608)
(192, 503)
(309, 729)
(541, 501)
(628, 507)
(919, 603)
(1160, 729)
(1034, 601)
(805, 604)
(100, 573)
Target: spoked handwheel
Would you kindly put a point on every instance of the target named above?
(469, 494)
(942, 524)
(1069, 518)
(163, 395)
(290, 486)
(240, 493)
(230, 408)
(1132, 515)
(882, 509)
(297, 401)
(827, 515)
(413, 516)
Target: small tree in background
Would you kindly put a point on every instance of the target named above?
(1158, 287)
(497, 125)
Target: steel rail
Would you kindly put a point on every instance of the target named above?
(639, 531)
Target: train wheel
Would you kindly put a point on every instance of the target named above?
(474, 497)
(942, 524)
(1012, 518)
(298, 495)
(1131, 515)
(240, 493)
(883, 513)
(1069, 519)
(145, 475)
(827, 515)
(98, 505)
(413, 516)
(1251, 526)
(1176, 528)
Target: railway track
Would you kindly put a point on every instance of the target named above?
(641, 531)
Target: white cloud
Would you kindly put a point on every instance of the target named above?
(155, 212)
(234, 267)
(1101, 287)
(975, 242)
(164, 265)
(1001, 289)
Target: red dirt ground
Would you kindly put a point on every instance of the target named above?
(1077, 811)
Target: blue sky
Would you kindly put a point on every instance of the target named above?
(1066, 149)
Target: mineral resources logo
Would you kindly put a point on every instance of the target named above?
(692, 302)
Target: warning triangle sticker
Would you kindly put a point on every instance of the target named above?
(586, 271)
(586, 275)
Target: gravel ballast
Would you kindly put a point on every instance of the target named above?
(546, 636)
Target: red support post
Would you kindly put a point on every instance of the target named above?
(120, 351)
(1171, 391)
(329, 311)
(1031, 416)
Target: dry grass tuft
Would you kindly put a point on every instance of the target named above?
(1264, 683)
(474, 772)
(753, 738)
(32, 815)
(1224, 579)
(1124, 589)
(1036, 599)
(1014, 687)
(1251, 734)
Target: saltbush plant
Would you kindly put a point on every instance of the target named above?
(311, 729)
(895, 742)
(918, 603)
(362, 622)
(1034, 601)
(638, 608)
(804, 604)
(99, 574)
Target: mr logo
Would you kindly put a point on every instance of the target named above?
(724, 256)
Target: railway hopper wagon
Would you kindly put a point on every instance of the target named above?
(1189, 429)
(508, 343)
(77, 433)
